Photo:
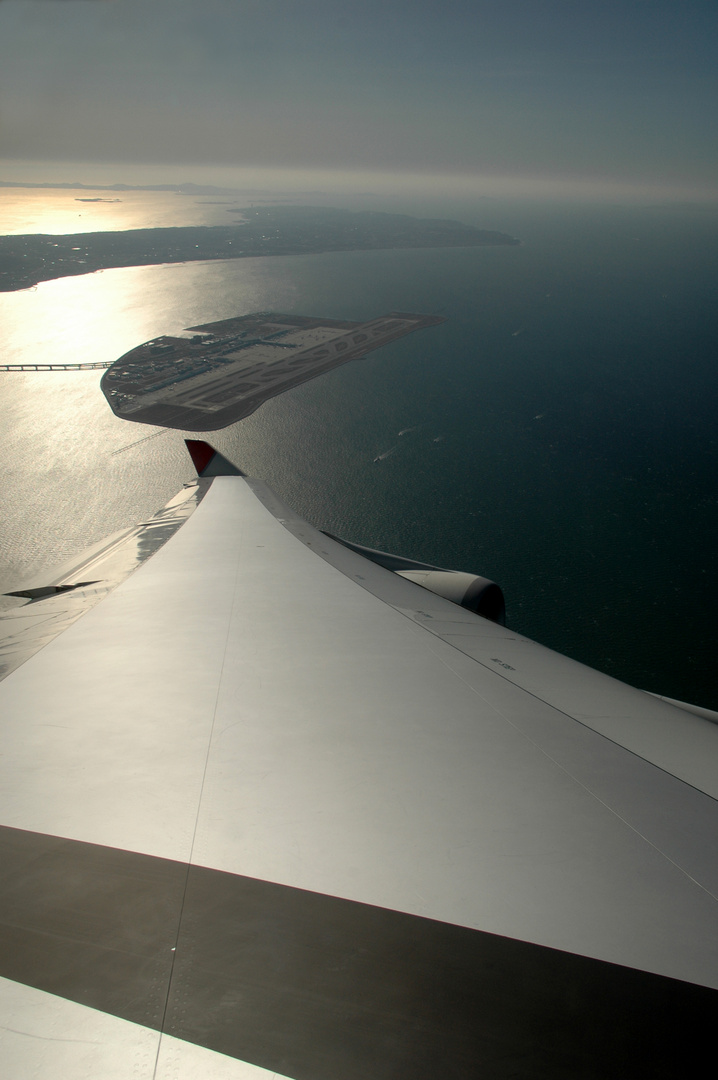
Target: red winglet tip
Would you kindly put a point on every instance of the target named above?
(201, 454)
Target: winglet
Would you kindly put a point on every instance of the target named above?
(208, 462)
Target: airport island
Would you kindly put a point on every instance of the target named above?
(223, 371)
(267, 230)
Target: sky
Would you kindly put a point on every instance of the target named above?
(616, 93)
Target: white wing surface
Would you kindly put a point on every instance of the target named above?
(271, 809)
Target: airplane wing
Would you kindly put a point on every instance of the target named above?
(272, 809)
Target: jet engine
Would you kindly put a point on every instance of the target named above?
(470, 591)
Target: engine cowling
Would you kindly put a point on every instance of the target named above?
(470, 591)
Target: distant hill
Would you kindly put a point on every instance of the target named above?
(181, 189)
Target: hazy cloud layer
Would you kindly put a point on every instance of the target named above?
(618, 89)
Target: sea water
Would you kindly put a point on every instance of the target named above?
(556, 434)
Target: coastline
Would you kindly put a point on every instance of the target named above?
(27, 260)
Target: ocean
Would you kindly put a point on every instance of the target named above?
(559, 430)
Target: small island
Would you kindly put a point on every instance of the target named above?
(227, 369)
(269, 230)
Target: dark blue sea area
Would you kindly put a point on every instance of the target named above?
(559, 430)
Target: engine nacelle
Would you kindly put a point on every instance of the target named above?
(470, 591)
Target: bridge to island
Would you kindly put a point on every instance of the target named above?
(99, 366)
